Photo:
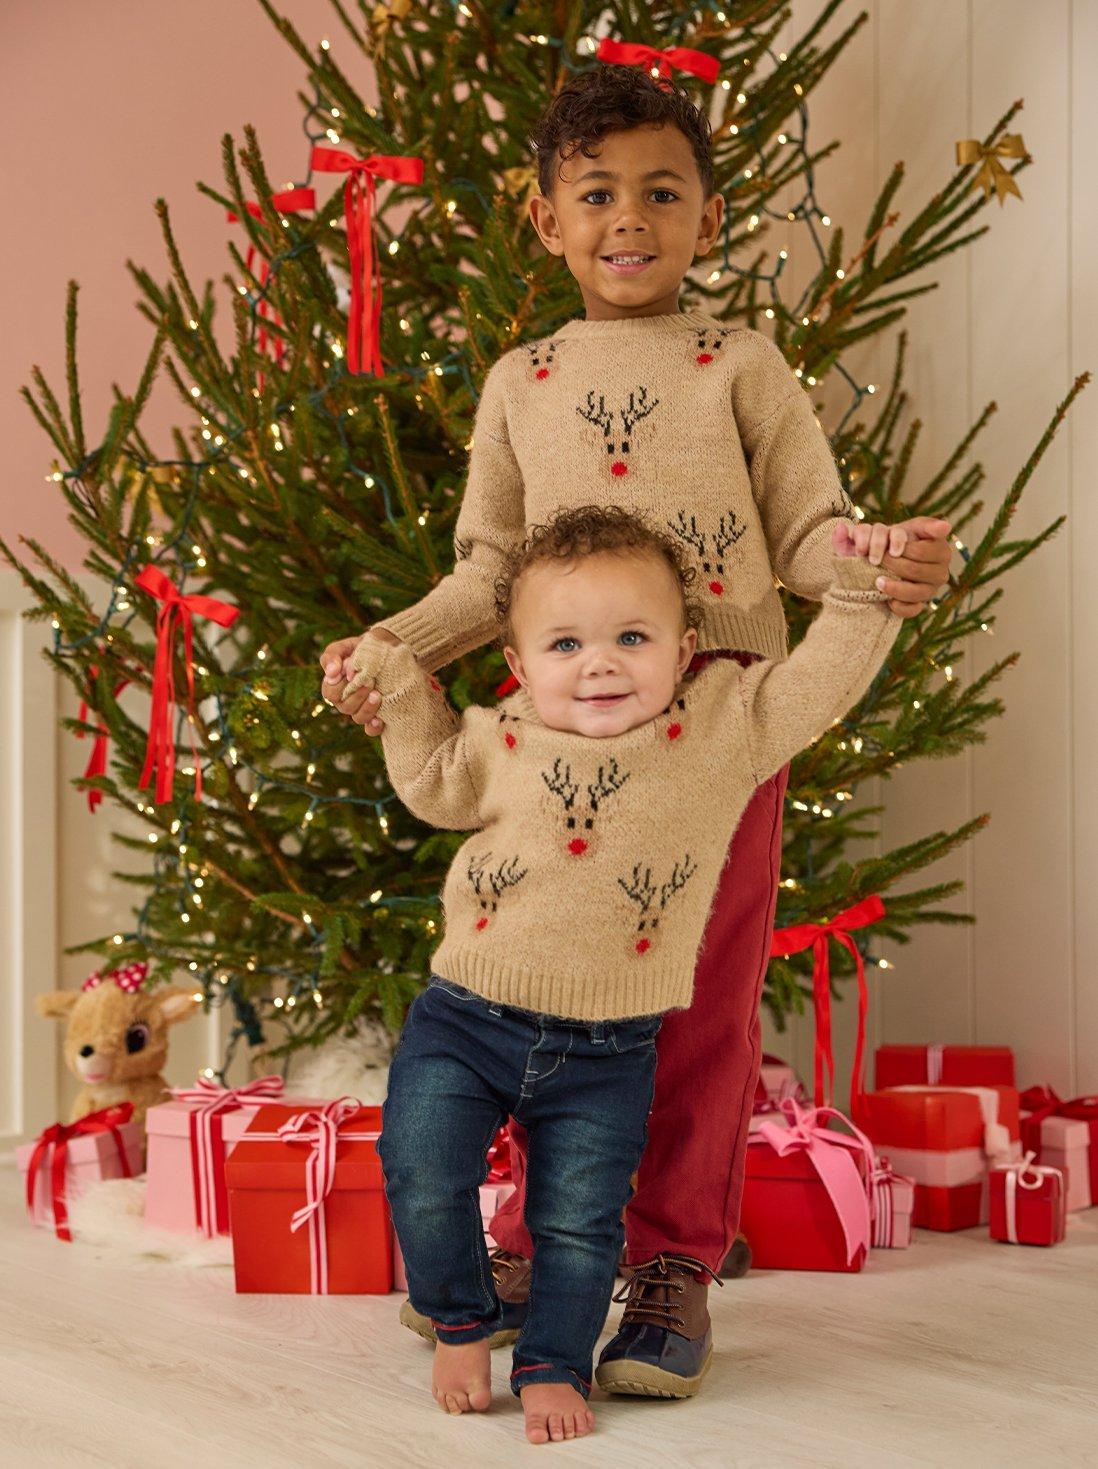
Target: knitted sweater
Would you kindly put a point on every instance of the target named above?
(702, 425)
(585, 889)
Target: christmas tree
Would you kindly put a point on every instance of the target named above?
(313, 484)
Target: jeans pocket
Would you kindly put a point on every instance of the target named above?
(625, 1036)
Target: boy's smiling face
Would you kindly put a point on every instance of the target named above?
(641, 195)
(599, 642)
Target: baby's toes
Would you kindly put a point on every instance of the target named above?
(555, 1424)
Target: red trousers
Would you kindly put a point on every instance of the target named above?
(690, 1181)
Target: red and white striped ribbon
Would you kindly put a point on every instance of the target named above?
(207, 1148)
(321, 1129)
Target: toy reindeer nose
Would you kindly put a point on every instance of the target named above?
(87, 1050)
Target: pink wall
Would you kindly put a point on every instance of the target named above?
(107, 105)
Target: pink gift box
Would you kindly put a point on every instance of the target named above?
(1064, 1143)
(89, 1159)
(491, 1196)
(893, 1199)
(174, 1182)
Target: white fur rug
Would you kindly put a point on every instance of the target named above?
(109, 1218)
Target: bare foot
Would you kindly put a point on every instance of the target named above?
(462, 1376)
(555, 1411)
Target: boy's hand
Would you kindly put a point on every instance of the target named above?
(336, 662)
(918, 567)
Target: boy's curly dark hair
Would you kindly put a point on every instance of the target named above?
(609, 99)
(570, 534)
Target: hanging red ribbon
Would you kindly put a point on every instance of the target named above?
(681, 58)
(815, 936)
(290, 201)
(97, 760)
(108, 1119)
(359, 197)
(177, 610)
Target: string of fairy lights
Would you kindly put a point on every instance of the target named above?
(172, 845)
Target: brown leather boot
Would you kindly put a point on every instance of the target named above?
(664, 1345)
(511, 1274)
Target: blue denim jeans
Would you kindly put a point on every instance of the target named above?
(582, 1090)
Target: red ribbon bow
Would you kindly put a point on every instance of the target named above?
(359, 197)
(177, 609)
(107, 1119)
(290, 201)
(97, 760)
(682, 58)
(499, 1158)
(801, 936)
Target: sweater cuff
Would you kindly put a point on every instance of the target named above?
(855, 574)
(389, 667)
(435, 645)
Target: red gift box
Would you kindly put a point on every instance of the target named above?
(1064, 1134)
(945, 1138)
(805, 1200)
(307, 1207)
(944, 1066)
(1028, 1204)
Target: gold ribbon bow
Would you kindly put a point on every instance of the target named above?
(992, 174)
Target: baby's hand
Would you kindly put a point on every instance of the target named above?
(867, 538)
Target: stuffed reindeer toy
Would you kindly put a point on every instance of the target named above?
(116, 1040)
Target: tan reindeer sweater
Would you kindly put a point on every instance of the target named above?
(702, 425)
(585, 887)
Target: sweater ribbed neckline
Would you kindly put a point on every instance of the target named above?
(637, 326)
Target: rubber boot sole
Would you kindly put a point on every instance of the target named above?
(421, 1325)
(645, 1380)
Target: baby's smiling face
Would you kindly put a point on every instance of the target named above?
(599, 642)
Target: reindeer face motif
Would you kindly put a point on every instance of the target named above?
(578, 810)
(709, 344)
(652, 901)
(711, 546)
(489, 887)
(539, 356)
(509, 726)
(617, 443)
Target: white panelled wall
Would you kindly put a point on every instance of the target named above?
(1014, 319)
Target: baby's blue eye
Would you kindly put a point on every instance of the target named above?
(559, 641)
(638, 635)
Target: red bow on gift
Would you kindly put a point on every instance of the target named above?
(682, 58)
(107, 1119)
(290, 201)
(801, 936)
(97, 760)
(359, 195)
(177, 610)
(499, 1158)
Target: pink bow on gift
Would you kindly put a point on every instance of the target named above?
(207, 1147)
(830, 1154)
(1027, 1175)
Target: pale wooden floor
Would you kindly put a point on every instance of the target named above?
(956, 1353)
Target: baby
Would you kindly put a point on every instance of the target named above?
(602, 797)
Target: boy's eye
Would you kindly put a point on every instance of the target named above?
(640, 638)
(560, 642)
